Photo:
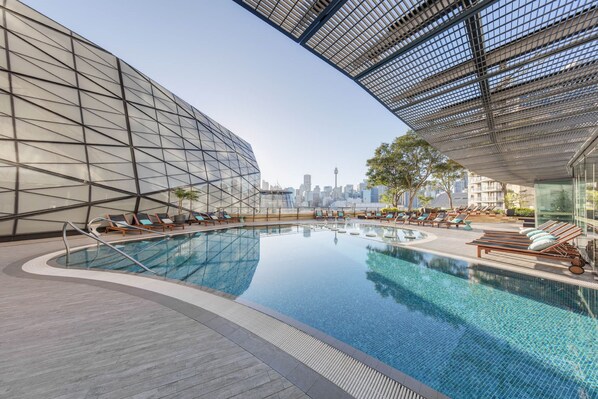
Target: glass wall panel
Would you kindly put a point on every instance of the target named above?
(586, 202)
(554, 201)
(73, 136)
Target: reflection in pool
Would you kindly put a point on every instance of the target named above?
(468, 331)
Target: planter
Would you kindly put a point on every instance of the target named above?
(180, 219)
(510, 212)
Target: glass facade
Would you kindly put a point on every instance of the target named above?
(83, 134)
(586, 201)
(554, 201)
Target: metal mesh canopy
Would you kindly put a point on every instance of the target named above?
(505, 87)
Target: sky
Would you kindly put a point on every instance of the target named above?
(300, 115)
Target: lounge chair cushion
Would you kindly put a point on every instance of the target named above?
(167, 221)
(533, 233)
(121, 224)
(541, 244)
(527, 230)
(145, 222)
(543, 235)
(457, 220)
(199, 217)
(227, 217)
(421, 218)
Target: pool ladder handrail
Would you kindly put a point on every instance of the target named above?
(94, 235)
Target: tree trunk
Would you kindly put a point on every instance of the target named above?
(450, 197)
(411, 198)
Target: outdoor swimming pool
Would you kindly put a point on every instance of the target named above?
(468, 331)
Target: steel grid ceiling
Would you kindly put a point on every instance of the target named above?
(506, 87)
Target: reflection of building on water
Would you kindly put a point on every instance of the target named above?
(223, 260)
(567, 296)
(306, 231)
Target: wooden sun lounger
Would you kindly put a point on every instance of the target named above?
(556, 229)
(440, 217)
(144, 220)
(449, 223)
(232, 219)
(543, 226)
(166, 220)
(561, 250)
(570, 232)
(121, 224)
(196, 217)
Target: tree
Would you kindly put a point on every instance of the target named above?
(505, 192)
(424, 200)
(181, 194)
(404, 165)
(392, 197)
(511, 199)
(445, 174)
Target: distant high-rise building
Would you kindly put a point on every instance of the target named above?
(366, 196)
(335, 182)
(265, 185)
(377, 193)
(348, 193)
(307, 182)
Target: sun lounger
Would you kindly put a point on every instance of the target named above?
(214, 217)
(196, 217)
(418, 219)
(570, 232)
(121, 224)
(144, 220)
(232, 219)
(439, 218)
(543, 226)
(456, 221)
(318, 214)
(388, 218)
(559, 250)
(403, 218)
(340, 215)
(165, 219)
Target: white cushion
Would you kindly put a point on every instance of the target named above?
(168, 221)
(533, 233)
(527, 230)
(543, 235)
(541, 244)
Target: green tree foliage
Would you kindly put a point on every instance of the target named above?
(445, 174)
(424, 200)
(403, 166)
(181, 194)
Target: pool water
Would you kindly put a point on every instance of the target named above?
(468, 331)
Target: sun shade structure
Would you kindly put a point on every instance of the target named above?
(507, 88)
(84, 134)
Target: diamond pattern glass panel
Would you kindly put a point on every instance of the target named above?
(84, 134)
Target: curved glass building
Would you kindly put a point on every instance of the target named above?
(83, 134)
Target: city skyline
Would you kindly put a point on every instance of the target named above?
(280, 104)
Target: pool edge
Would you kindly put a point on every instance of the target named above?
(355, 372)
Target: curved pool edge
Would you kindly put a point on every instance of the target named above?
(349, 369)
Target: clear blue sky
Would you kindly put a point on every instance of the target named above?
(299, 114)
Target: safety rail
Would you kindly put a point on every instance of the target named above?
(94, 235)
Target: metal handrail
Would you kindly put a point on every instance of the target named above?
(95, 236)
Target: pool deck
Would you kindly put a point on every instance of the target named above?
(62, 337)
